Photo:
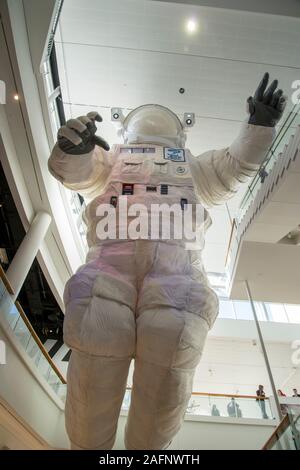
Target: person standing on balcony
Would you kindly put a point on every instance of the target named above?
(239, 413)
(232, 408)
(215, 411)
(261, 401)
(284, 408)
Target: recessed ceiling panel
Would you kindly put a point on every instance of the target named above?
(104, 76)
(159, 26)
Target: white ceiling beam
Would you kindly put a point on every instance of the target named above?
(271, 7)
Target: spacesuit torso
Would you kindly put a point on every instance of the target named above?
(149, 175)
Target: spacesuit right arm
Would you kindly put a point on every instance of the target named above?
(80, 160)
(218, 173)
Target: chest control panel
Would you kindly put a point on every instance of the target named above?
(127, 189)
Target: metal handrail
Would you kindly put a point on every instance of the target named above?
(6, 407)
(225, 395)
(6, 281)
(30, 327)
(278, 432)
(233, 227)
(39, 343)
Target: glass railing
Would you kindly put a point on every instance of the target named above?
(229, 406)
(283, 136)
(15, 318)
(224, 406)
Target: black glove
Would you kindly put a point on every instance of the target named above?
(78, 137)
(267, 106)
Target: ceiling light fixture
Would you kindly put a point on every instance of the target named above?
(191, 26)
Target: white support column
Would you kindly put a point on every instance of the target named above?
(27, 251)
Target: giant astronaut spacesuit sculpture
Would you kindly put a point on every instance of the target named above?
(145, 299)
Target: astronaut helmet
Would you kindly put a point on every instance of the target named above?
(155, 124)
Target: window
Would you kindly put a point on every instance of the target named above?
(226, 309)
(293, 313)
(243, 310)
(276, 313)
(57, 119)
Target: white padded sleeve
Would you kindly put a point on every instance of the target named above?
(85, 174)
(217, 174)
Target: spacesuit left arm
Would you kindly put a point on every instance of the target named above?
(80, 159)
(217, 174)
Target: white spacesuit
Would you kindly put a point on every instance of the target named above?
(143, 299)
